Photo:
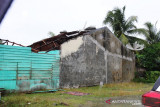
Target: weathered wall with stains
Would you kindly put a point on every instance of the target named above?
(81, 67)
(97, 57)
(72, 63)
(120, 60)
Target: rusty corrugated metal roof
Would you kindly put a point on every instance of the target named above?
(53, 43)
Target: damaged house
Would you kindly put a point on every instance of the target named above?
(74, 59)
(68, 60)
(90, 57)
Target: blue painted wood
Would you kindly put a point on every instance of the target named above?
(22, 70)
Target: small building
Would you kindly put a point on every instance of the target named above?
(90, 57)
(87, 58)
(74, 59)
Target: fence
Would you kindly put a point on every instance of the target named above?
(22, 70)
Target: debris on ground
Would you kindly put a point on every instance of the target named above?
(78, 93)
(62, 104)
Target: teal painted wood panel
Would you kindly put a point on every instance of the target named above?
(22, 70)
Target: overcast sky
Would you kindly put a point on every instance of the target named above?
(28, 21)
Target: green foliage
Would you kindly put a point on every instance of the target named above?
(51, 34)
(149, 77)
(123, 28)
(149, 58)
(152, 76)
(152, 34)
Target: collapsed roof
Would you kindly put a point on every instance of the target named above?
(7, 42)
(54, 43)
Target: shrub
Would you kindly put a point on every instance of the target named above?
(149, 58)
(149, 77)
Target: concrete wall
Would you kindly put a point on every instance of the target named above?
(93, 58)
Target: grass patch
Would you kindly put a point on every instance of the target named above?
(60, 98)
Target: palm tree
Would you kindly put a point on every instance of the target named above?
(151, 33)
(121, 27)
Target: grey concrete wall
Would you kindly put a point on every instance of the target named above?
(120, 60)
(85, 67)
(95, 62)
(97, 57)
(72, 66)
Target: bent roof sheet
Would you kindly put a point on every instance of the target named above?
(53, 43)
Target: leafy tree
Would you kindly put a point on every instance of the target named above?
(149, 57)
(123, 28)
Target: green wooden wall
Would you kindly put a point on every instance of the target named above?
(23, 70)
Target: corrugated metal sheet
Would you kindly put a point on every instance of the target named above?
(22, 70)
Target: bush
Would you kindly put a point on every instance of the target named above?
(149, 58)
(149, 77)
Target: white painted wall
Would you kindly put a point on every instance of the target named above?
(71, 46)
